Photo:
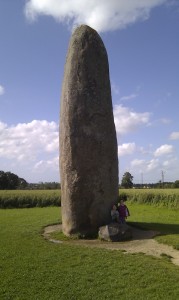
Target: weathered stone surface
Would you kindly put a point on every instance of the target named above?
(115, 232)
(88, 145)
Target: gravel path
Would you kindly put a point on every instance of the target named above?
(142, 242)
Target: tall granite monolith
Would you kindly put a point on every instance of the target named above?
(88, 145)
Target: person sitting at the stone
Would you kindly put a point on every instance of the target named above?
(123, 212)
(114, 214)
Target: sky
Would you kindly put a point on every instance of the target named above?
(142, 42)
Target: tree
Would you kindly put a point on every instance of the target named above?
(176, 184)
(127, 181)
(13, 181)
(22, 183)
(3, 180)
(10, 181)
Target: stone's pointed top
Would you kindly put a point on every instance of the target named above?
(82, 29)
(86, 38)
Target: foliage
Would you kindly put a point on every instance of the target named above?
(127, 181)
(10, 181)
(27, 198)
(157, 185)
(44, 186)
(176, 184)
(33, 268)
(157, 197)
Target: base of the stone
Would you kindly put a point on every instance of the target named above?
(115, 232)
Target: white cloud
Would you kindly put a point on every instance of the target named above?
(127, 120)
(126, 149)
(165, 121)
(114, 88)
(145, 165)
(129, 97)
(137, 163)
(44, 165)
(2, 90)
(152, 165)
(170, 164)
(25, 141)
(174, 135)
(164, 150)
(30, 150)
(102, 15)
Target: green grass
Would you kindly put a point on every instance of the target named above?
(160, 219)
(33, 268)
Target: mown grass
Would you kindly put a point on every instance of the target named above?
(160, 219)
(33, 268)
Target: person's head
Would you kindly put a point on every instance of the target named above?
(114, 207)
(122, 197)
(121, 201)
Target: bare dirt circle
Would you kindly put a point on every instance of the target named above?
(142, 242)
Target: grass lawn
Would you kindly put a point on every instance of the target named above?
(157, 218)
(33, 268)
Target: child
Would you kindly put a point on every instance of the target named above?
(114, 214)
(123, 212)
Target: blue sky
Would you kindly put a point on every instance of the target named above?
(142, 41)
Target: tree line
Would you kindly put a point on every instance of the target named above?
(11, 181)
(127, 183)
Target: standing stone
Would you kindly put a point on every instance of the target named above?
(88, 145)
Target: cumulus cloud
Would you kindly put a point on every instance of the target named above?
(145, 165)
(174, 135)
(25, 141)
(45, 165)
(137, 162)
(102, 15)
(164, 150)
(126, 149)
(152, 165)
(2, 90)
(127, 120)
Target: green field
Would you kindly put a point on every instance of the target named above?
(42, 198)
(158, 197)
(33, 268)
(29, 198)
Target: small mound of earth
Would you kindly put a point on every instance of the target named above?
(142, 241)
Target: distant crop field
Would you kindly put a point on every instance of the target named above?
(158, 197)
(41, 198)
(29, 198)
